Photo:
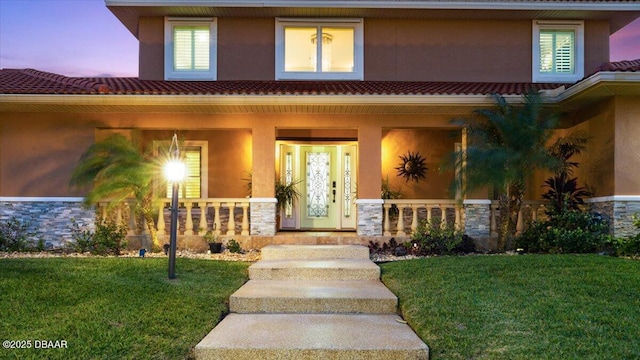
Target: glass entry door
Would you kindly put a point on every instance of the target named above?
(326, 175)
(318, 200)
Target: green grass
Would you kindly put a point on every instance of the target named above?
(113, 308)
(521, 307)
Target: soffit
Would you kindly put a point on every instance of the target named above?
(618, 17)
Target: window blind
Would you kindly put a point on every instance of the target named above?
(191, 187)
(191, 48)
(557, 52)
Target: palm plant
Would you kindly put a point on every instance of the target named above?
(563, 191)
(505, 145)
(116, 169)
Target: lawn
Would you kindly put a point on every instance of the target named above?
(521, 307)
(475, 307)
(112, 308)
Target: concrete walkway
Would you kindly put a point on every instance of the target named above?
(313, 302)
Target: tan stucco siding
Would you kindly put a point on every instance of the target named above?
(627, 146)
(394, 49)
(229, 157)
(40, 151)
(246, 49)
(151, 48)
(434, 146)
(447, 50)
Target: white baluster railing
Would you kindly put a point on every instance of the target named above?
(414, 205)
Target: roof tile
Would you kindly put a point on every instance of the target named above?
(29, 81)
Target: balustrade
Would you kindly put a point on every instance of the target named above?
(414, 205)
(191, 210)
(529, 211)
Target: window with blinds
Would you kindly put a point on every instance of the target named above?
(190, 188)
(190, 48)
(558, 51)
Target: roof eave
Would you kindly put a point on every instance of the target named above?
(470, 5)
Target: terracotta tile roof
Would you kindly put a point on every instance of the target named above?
(29, 81)
(627, 65)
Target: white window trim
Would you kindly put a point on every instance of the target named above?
(204, 161)
(169, 73)
(356, 24)
(578, 27)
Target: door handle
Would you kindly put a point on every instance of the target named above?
(334, 191)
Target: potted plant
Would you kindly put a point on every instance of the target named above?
(215, 246)
(286, 193)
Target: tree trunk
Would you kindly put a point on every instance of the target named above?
(516, 194)
(510, 205)
(503, 226)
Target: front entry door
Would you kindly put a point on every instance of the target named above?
(318, 201)
(326, 175)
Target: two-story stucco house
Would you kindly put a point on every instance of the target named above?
(331, 93)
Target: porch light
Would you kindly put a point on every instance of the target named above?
(174, 171)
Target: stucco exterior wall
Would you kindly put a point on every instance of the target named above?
(229, 157)
(151, 48)
(394, 49)
(434, 146)
(39, 153)
(627, 143)
(246, 49)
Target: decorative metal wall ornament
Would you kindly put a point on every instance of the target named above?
(412, 167)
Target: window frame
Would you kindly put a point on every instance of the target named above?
(169, 72)
(204, 165)
(357, 24)
(578, 28)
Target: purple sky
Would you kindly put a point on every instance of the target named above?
(83, 38)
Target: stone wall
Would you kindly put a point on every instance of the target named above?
(263, 216)
(370, 216)
(619, 210)
(49, 218)
(477, 218)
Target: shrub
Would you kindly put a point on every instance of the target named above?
(108, 238)
(430, 238)
(630, 245)
(233, 246)
(16, 235)
(570, 231)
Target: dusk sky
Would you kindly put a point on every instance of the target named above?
(83, 38)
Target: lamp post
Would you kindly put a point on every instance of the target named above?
(174, 171)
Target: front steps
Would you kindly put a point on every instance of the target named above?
(312, 302)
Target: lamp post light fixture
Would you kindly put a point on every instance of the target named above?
(174, 171)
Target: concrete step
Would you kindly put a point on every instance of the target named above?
(327, 269)
(311, 336)
(278, 296)
(310, 252)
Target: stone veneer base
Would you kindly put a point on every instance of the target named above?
(619, 210)
(370, 215)
(48, 218)
(262, 212)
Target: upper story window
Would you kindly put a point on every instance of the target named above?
(558, 51)
(190, 49)
(326, 49)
